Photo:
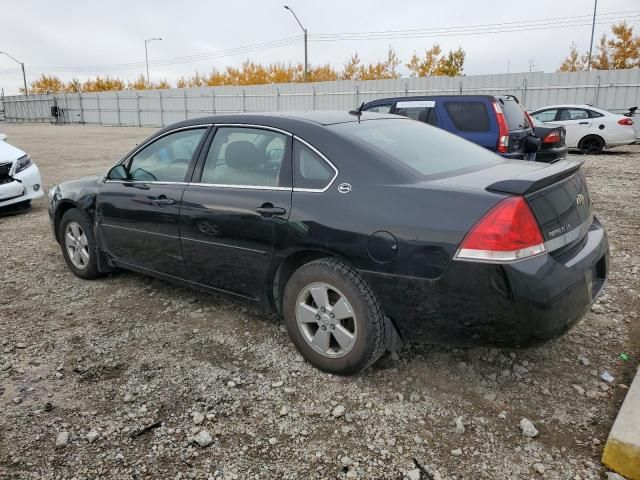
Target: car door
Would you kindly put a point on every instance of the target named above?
(234, 212)
(138, 210)
(576, 122)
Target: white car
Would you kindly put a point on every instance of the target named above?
(589, 129)
(19, 177)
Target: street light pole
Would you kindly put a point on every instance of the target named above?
(24, 76)
(146, 55)
(304, 30)
(593, 27)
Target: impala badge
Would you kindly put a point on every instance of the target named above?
(580, 200)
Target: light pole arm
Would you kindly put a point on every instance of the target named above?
(24, 76)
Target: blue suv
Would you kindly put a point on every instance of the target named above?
(498, 123)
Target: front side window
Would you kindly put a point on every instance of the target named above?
(468, 116)
(311, 171)
(247, 157)
(546, 115)
(167, 159)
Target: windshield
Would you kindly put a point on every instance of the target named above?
(427, 150)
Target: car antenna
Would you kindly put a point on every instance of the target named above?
(357, 112)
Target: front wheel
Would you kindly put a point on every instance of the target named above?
(333, 317)
(79, 246)
(591, 145)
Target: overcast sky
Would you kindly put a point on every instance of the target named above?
(67, 38)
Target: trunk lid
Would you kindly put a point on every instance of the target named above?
(556, 193)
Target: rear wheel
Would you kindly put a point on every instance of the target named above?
(333, 317)
(591, 145)
(79, 246)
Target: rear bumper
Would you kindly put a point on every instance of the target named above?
(27, 185)
(517, 304)
(553, 154)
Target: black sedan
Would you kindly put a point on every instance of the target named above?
(552, 147)
(362, 230)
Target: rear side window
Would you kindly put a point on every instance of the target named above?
(421, 110)
(594, 114)
(311, 171)
(514, 114)
(468, 116)
(573, 114)
(426, 150)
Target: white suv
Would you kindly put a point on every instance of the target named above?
(589, 129)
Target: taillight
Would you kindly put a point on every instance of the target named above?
(508, 232)
(553, 137)
(503, 129)
(625, 121)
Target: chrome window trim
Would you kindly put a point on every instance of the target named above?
(323, 157)
(152, 182)
(253, 125)
(245, 187)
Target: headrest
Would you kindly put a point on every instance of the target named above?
(242, 155)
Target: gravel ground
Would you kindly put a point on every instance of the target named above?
(131, 377)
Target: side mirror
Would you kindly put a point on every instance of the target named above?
(532, 144)
(117, 173)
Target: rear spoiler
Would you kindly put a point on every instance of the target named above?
(537, 179)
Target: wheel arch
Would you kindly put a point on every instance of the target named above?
(289, 264)
(86, 204)
(592, 135)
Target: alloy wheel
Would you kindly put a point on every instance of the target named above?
(77, 245)
(326, 320)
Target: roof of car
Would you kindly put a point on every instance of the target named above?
(318, 117)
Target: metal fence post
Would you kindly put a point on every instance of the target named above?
(357, 95)
(277, 99)
(213, 101)
(98, 106)
(595, 96)
(244, 101)
(65, 111)
(138, 108)
(118, 109)
(161, 109)
(313, 89)
(406, 89)
(460, 87)
(524, 91)
(81, 109)
(186, 110)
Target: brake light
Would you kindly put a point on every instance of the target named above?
(508, 232)
(553, 137)
(625, 121)
(503, 129)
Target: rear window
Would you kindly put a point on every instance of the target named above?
(425, 149)
(514, 114)
(468, 116)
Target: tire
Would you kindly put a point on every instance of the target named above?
(591, 145)
(352, 315)
(83, 264)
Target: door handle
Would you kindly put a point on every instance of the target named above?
(583, 123)
(268, 210)
(162, 201)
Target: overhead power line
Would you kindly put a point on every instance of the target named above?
(431, 32)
